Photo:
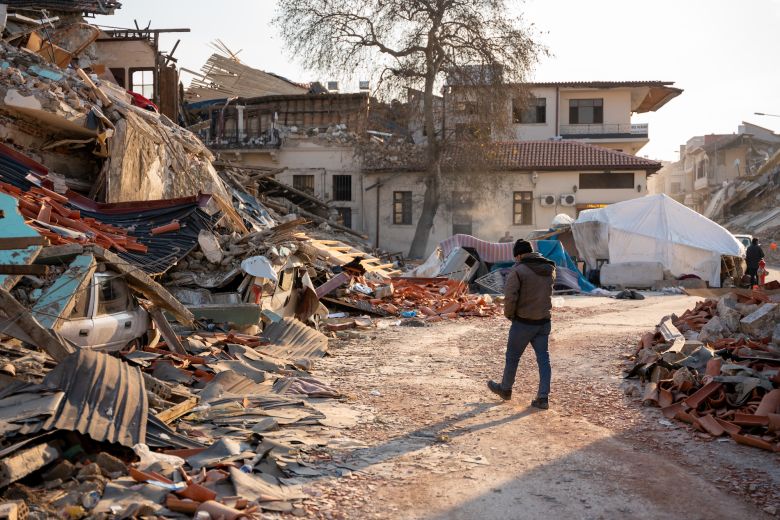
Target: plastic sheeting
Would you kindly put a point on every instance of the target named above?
(496, 253)
(655, 228)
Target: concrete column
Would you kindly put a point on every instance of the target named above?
(240, 121)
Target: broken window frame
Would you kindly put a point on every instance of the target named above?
(606, 181)
(593, 108)
(532, 112)
(402, 208)
(522, 208)
(304, 183)
(342, 188)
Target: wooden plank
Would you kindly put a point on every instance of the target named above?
(34, 269)
(36, 333)
(22, 242)
(174, 412)
(99, 93)
(58, 300)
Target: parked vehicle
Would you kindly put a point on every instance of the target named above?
(106, 315)
(744, 239)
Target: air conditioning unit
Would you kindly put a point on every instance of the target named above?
(365, 85)
(547, 200)
(568, 199)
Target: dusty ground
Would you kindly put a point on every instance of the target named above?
(440, 446)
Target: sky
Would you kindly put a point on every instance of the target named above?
(723, 53)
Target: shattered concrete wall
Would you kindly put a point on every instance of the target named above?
(152, 161)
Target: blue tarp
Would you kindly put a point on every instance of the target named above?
(553, 250)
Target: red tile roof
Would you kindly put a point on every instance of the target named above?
(557, 156)
(549, 155)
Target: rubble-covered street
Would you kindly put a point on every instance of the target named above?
(440, 446)
(226, 294)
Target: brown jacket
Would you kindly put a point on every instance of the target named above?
(528, 290)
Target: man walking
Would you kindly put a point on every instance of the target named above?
(527, 302)
(753, 256)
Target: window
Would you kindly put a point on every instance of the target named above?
(607, 181)
(522, 208)
(462, 210)
(112, 295)
(721, 158)
(586, 111)
(534, 111)
(402, 208)
(700, 172)
(119, 76)
(342, 187)
(468, 108)
(304, 183)
(676, 187)
(345, 216)
(142, 82)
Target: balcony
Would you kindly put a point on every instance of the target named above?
(246, 141)
(605, 131)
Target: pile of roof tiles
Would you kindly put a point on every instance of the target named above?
(49, 216)
(432, 299)
(717, 368)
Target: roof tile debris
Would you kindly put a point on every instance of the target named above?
(715, 367)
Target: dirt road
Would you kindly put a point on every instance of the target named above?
(439, 446)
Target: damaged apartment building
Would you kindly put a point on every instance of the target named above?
(304, 133)
(570, 147)
(707, 162)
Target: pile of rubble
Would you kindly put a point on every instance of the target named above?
(717, 367)
(160, 313)
(432, 299)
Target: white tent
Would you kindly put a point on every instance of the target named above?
(655, 228)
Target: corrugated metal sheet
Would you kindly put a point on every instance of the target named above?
(105, 398)
(292, 339)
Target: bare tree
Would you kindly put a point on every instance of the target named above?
(416, 44)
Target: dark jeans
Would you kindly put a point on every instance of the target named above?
(520, 334)
(753, 273)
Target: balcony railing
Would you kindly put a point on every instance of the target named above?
(254, 140)
(605, 130)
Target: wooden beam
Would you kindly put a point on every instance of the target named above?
(174, 412)
(34, 269)
(37, 334)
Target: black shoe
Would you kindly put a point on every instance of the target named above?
(494, 387)
(541, 403)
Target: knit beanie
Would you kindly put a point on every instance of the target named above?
(522, 247)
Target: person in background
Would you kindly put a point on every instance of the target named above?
(753, 256)
(527, 302)
(506, 238)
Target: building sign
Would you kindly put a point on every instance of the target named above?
(581, 207)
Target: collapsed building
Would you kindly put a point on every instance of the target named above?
(161, 312)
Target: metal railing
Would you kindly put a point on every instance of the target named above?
(630, 129)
